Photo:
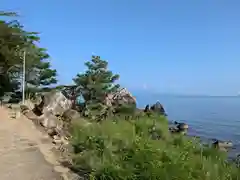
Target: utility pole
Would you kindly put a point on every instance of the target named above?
(23, 78)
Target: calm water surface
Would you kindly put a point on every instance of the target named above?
(208, 117)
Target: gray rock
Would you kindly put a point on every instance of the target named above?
(158, 108)
(55, 102)
(48, 120)
(121, 97)
(222, 144)
(182, 126)
(70, 114)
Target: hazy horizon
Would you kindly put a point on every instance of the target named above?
(155, 93)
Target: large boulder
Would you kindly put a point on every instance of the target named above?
(181, 126)
(48, 120)
(53, 104)
(70, 115)
(158, 108)
(121, 97)
(222, 145)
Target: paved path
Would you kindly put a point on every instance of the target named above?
(23, 153)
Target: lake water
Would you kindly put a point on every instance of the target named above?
(207, 117)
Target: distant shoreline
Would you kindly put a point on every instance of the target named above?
(186, 96)
(201, 96)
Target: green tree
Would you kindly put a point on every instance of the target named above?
(14, 41)
(39, 74)
(10, 37)
(94, 85)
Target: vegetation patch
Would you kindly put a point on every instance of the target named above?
(144, 149)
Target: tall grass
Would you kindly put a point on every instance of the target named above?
(144, 149)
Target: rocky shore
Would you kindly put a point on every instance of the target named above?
(182, 128)
(54, 112)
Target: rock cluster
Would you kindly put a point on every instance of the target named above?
(55, 105)
(53, 113)
(179, 128)
(122, 96)
(222, 145)
(156, 108)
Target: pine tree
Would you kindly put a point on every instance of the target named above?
(94, 85)
(14, 40)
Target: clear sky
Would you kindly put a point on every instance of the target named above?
(168, 46)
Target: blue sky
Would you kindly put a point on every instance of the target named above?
(184, 47)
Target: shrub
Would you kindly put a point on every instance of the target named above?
(130, 150)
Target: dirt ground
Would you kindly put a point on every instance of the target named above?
(25, 154)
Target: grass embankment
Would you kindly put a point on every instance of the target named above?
(144, 149)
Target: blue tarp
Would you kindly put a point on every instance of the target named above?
(80, 100)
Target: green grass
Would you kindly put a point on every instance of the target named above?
(144, 149)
